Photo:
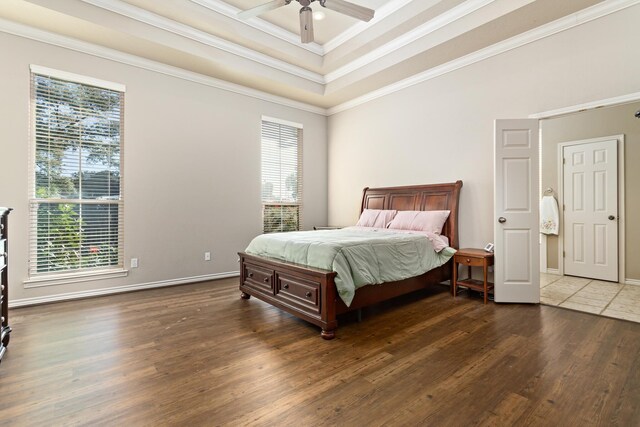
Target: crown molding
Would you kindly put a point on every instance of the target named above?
(47, 37)
(149, 18)
(381, 13)
(423, 30)
(229, 11)
(570, 21)
(616, 100)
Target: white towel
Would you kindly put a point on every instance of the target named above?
(549, 216)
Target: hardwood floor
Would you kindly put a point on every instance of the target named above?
(199, 355)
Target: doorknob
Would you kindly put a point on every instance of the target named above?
(502, 220)
(611, 217)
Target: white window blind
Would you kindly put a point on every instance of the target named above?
(76, 205)
(281, 177)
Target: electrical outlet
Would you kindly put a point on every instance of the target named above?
(207, 256)
(134, 262)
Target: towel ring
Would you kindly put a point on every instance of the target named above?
(549, 192)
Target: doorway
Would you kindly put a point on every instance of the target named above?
(615, 116)
(616, 293)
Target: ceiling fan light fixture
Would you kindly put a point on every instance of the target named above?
(306, 24)
(319, 15)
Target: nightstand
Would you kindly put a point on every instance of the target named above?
(472, 258)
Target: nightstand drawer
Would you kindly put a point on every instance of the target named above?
(473, 262)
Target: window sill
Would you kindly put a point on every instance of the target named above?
(65, 279)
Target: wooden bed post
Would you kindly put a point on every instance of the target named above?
(330, 322)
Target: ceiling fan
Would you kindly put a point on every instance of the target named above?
(306, 14)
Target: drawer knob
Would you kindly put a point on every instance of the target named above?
(285, 286)
(250, 274)
(1, 287)
(266, 279)
(308, 294)
(2, 319)
(468, 260)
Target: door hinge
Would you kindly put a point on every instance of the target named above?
(564, 160)
(564, 207)
(564, 254)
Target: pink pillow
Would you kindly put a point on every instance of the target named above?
(375, 218)
(431, 221)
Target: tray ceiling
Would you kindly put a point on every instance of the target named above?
(350, 59)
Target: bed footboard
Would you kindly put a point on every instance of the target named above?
(307, 293)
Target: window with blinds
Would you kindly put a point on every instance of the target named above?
(76, 205)
(281, 176)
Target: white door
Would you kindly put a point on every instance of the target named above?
(590, 188)
(517, 252)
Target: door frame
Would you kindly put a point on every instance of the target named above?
(621, 204)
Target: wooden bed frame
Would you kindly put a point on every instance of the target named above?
(310, 293)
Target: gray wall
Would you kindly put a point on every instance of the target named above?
(191, 167)
(442, 129)
(592, 124)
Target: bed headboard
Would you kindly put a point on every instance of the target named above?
(431, 197)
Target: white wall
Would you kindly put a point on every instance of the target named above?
(441, 130)
(191, 167)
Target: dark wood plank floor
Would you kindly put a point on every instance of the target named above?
(199, 355)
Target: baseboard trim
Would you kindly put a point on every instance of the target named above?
(23, 302)
(553, 271)
(635, 282)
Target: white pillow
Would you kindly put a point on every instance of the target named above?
(376, 218)
(431, 221)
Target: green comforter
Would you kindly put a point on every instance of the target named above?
(360, 257)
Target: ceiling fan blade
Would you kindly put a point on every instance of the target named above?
(356, 11)
(258, 10)
(306, 25)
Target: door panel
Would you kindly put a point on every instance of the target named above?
(591, 198)
(517, 255)
(517, 241)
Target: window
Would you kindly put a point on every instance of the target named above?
(281, 176)
(75, 199)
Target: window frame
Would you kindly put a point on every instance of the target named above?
(46, 278)
(299, 172)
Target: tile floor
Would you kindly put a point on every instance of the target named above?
(592, 296)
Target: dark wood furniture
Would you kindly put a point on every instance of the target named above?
(311, 294)
(5, 330)
(472, 258)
